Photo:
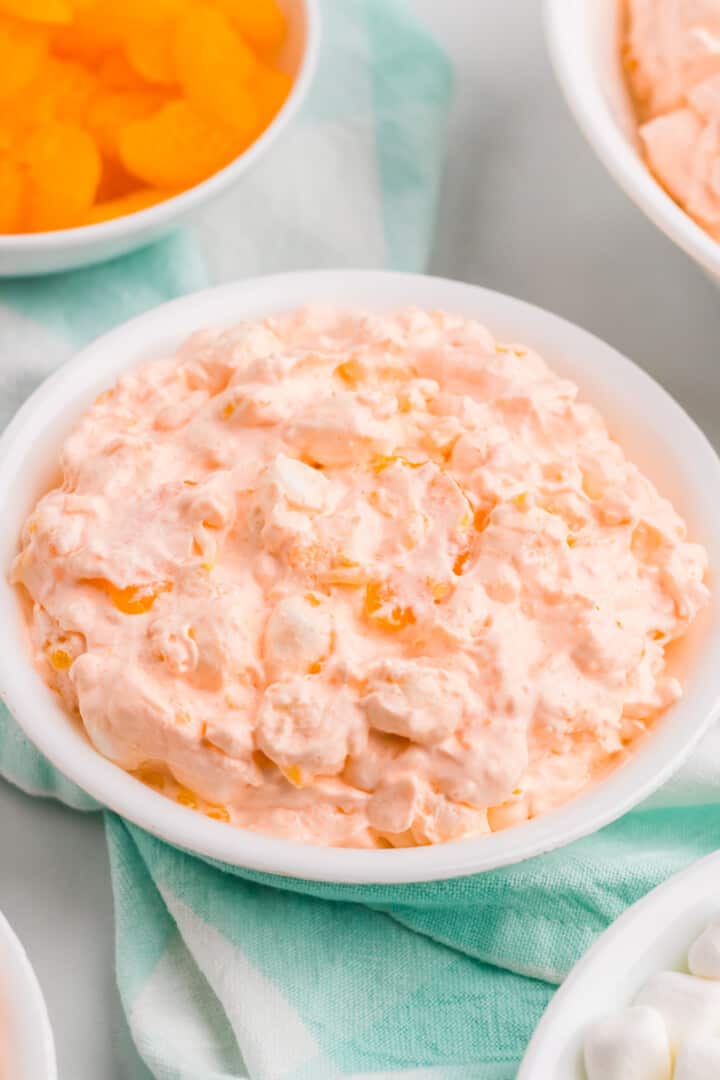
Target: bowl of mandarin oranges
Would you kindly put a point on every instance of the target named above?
(119, 119)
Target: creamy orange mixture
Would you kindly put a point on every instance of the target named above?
(357, 580)
(671, 52)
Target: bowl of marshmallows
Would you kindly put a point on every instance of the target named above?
(644, 1002)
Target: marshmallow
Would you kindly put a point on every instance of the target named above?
(294, 483)
(699, 1059)
(628, 1045)
(417, 701)
(298, 635)
(688, 1005)
(704, 954)
(305, 727)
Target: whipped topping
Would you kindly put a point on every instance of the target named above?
(357, 580)
(671, 53)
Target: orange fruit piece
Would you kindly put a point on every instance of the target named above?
(111, 111)
(126, 204)
(382, 608)
(117, 73)
(272, 88)
(176, 147)
(62, 90)
(214, 67)
(133, 599)
(153, 11)
(23, 48)
(11, 193)
(260, 21)
(7, 131)
(149, 51)
(61, 659)
(43, 11)
(95, 31)
(13, 121)
(115, 181)
(63, 169)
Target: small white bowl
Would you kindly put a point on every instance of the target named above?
(659, 436)
(653, 935)
(26, 1043)
(584, 41)
(66, 249)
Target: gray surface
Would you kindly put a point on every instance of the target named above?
(527, 210)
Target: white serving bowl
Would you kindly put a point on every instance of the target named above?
(584, 41)
(653, 935)
(655, 430)
(26, 1043)
(66, 249)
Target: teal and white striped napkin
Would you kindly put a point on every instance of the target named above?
(230, 974)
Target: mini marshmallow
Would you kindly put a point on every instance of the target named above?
(688, 1005)
(629, 1045)
(699, 1059)
(704, 954)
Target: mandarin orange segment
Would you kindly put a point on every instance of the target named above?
(350, 371)
(459, 564)
(117, 73)
(175, 147)
(11, 194)
(109, 113)
(260, 21)
(382, 463)
(23, 48)
(187, 798)
(107, 108)
(42, 11)
(95, 31)
(294, 774)
(149, 51)
(481, 518)
(152, 775)
(63, 90)
(215, 67)
(153, 12)
(115, 181)
(273, 88)
(125, 204)
(8, 129)
(381, 607)
(133, 599)
(63, 167)
(61, 660)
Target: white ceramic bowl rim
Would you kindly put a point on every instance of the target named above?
(645, 939)
(24, 1020)
(59, 400)
(168, 209)
(569, 38)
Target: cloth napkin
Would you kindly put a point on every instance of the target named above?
(226, 973)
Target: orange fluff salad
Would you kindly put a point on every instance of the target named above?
(671, 54)
(109, 107)
(358, 580)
